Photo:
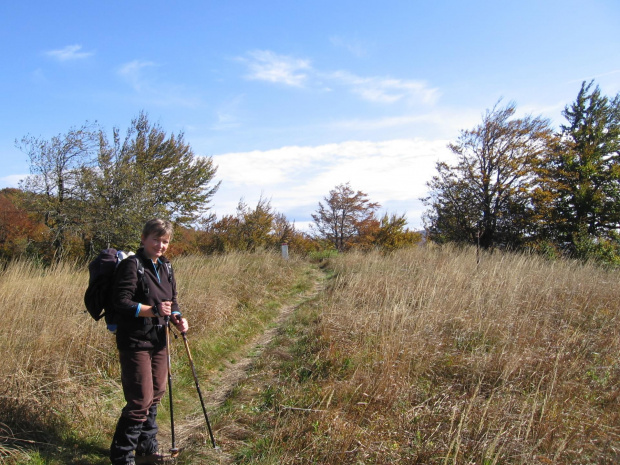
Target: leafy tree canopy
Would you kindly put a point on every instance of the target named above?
(103, 191)
(485, 196)
(343, 215)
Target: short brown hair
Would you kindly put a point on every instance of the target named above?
(157, 227)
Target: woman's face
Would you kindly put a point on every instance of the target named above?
(155, 246)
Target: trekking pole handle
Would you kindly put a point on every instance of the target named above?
(177, 318)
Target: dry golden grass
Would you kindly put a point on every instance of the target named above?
(425, 356)
(60, 379)
(422, 356)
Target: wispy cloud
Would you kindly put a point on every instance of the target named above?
(265, 65)
(596, 76)
(608, 81)
(141, 75)
(132, 72)
(356, 47)
(69, 53)
(38, 76)
(387, 90)
(226, 114)
(387, 122)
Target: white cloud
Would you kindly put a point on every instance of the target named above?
(392, 172)
(551, 110)
(38, 76)
(70, 52)
(12, 180)
(265, 65)
(224, 121)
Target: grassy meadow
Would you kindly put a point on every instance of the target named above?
(60, 396)
(426, 356)
(420, 356)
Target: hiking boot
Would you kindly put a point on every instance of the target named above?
(154, 458)
(129, 461)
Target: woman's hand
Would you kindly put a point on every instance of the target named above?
(165, 308)
(179, 322)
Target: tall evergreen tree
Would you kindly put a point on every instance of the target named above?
(581, 176)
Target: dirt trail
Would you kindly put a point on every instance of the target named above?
(234, 373)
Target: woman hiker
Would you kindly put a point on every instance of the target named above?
(144, 300)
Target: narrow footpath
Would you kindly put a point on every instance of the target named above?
(216, 390)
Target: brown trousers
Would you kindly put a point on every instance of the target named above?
(143, 375)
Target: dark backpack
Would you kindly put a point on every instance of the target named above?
(98, 295)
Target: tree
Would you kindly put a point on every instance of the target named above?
(581, 176)
(250, 229)
(149, 174)
(282, 230)
(247, 230)
(55, 167)
(255, 225)
(393, 233)
(169, 173)
(485, 196)
(93, 193)
(20, 232)
(343, 216)
(111, 206)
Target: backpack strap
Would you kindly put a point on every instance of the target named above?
(169, 266)
(164, 261)
(141, 276)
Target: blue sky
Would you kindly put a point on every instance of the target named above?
(292, 98)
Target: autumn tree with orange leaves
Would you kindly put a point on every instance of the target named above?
(343, 216)
(21, 233)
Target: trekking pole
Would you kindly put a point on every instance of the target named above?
(204, 410)
(173, 450)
